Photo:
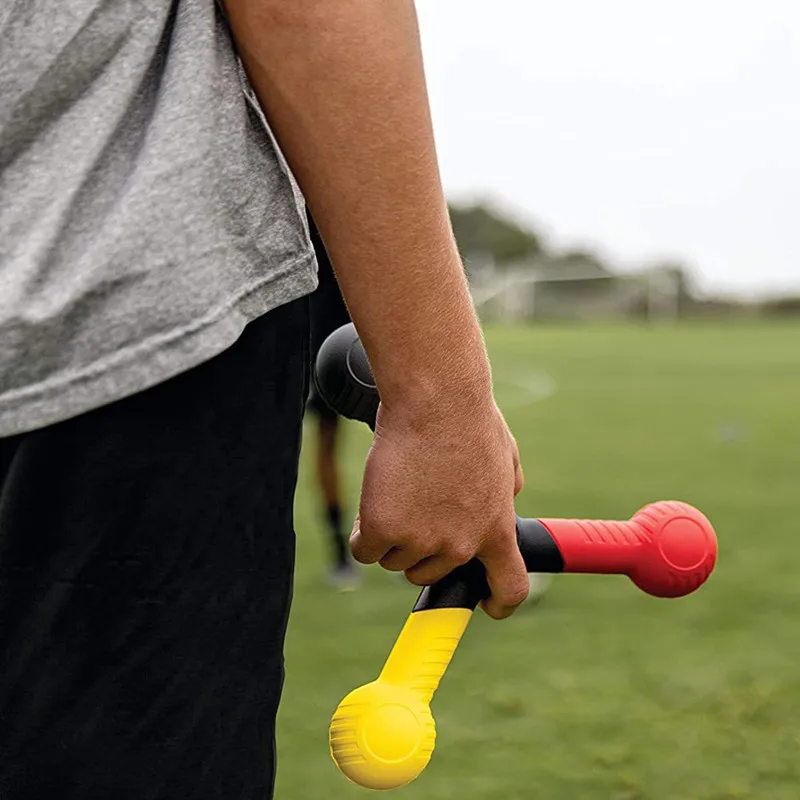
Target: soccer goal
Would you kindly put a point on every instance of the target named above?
(529, 295)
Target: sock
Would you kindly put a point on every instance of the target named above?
(340, 552)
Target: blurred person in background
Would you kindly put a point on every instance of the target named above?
(329, 312)
(155, 267)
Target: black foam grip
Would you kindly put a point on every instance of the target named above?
(344, 378)
(464, 587)
(539, 550)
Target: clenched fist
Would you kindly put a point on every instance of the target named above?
(438, 490)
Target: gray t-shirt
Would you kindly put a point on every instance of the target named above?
(146, 213)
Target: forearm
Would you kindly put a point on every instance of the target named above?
(342, 84)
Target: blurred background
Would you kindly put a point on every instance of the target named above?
(625, 185)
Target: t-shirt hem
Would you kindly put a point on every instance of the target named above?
(154, 360)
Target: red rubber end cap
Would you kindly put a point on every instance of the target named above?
(683, 551)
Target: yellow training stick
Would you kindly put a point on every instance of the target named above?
(383, 734)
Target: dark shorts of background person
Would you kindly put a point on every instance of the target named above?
(146, 559)
(328, 312)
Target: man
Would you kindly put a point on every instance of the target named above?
(329, 312)
(154, 271)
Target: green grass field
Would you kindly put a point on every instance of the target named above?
(599, 692)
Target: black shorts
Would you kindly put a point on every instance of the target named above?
(146, 558)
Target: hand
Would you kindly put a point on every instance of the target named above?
(438, 490)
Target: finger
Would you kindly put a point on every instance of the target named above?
(366, 548)
(399, 559)
(508, 581)
(431, 570)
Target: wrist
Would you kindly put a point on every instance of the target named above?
(458, 387)
(427, 354)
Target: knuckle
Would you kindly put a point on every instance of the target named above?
(460, 552)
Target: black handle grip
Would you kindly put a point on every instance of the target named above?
(344, 378)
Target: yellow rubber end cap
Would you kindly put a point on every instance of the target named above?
(382, 736)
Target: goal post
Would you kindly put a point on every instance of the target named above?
(526, 295)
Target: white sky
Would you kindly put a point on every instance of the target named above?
(643, 129)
